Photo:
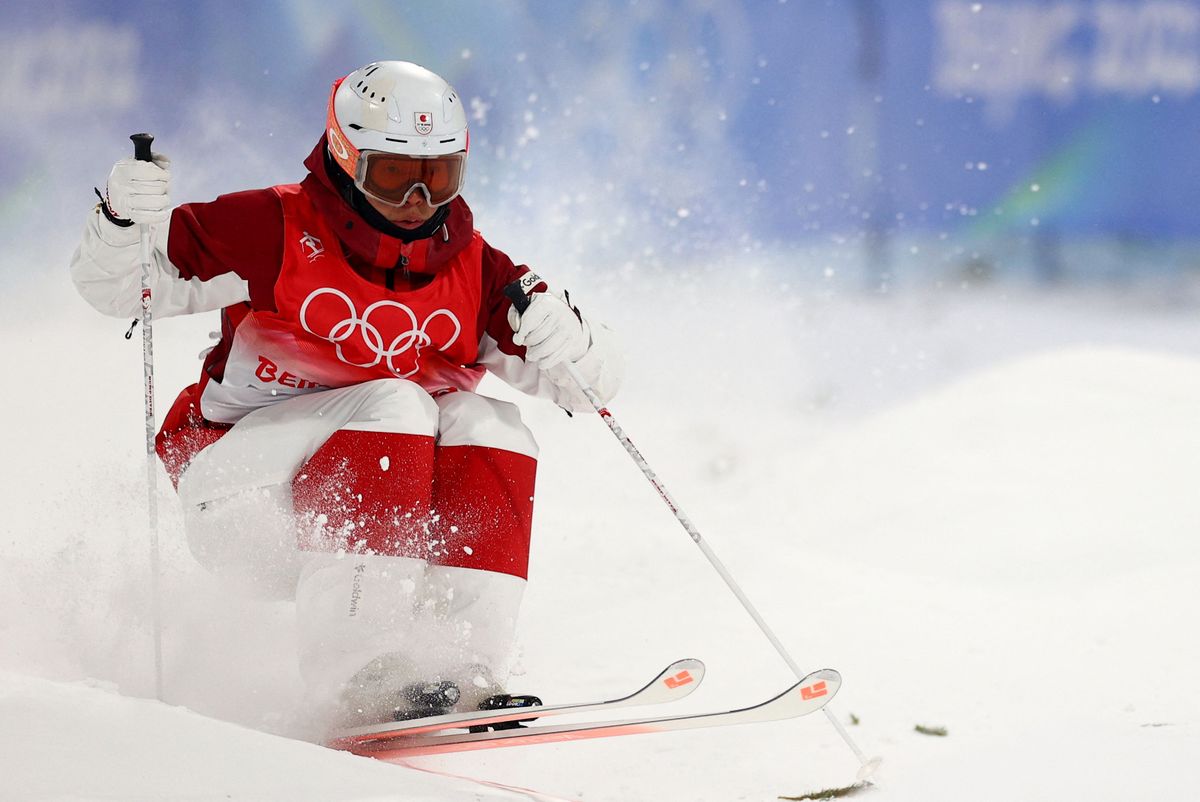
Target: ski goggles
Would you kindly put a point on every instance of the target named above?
(393, 177)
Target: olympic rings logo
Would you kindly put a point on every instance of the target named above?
(371, 344)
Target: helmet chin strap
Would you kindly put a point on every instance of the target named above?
(359, 203)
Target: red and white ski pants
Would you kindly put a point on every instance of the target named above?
(400, 521)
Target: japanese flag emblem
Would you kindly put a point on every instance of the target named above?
(423, 121)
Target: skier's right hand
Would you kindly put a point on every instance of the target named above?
(138, 191)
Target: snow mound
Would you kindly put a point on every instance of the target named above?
(82, 741)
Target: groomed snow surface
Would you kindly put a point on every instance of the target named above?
(981, 509)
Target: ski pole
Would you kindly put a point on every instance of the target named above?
(867, 766)
(141, 152)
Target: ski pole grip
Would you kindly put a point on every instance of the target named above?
(141, 147)
(520, 300)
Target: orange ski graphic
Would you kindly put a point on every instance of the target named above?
(679, 680)
(814, 691)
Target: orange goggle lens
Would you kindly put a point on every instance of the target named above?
(392, 177)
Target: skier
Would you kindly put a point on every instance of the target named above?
(334, 447)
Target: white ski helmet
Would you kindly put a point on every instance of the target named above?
(394, 127)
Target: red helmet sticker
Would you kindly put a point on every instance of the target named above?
(423, 121)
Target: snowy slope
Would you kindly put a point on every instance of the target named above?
(1012, 557)
(986, 522)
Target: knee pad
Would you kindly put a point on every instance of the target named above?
(394, 405)
(468, 419)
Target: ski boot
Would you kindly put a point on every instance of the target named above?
(423, 699)
(506, 701)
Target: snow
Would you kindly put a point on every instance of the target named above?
(74, 741)
(979, 507)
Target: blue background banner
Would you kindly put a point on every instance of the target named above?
(771, 123)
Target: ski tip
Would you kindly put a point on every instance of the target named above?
(689, 665)
(819, 686)
(680, 678)
(823, 675)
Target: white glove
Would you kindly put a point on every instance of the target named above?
(137, 190)
(551, 331)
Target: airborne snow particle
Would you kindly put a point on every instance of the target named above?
(384, 463)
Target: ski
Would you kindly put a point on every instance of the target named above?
(807, 696)
(674, 682)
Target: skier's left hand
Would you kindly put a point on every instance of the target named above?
(551, 330)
